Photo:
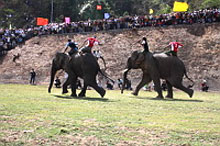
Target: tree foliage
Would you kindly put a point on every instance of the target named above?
(23, 12)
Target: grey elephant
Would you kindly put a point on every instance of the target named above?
(158, 66)
(84, 66)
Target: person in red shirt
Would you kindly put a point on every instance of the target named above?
(90, 43)
(174, 48)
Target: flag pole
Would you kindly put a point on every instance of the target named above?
(51, 15)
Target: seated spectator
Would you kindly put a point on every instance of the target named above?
(109, 85)
(204, 86)
(147, 87)
(57, 82)
(120, 82)
(128, 84)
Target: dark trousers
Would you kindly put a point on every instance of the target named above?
(32, 80)
(172, 53)
(86, 50)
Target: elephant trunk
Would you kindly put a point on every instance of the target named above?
(53, 73)
(124, 79)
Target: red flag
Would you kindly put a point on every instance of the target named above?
(42, 21)
(98, 7)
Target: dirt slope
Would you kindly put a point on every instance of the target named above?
(201, 52)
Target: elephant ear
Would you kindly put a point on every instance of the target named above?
(140, 58)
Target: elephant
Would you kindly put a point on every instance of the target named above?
(84, 66)
(155, 67)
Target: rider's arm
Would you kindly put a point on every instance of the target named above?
(139, 41)
(97, 42)
(84, 43)
(180, 45)
(66, 47)
(166, 46)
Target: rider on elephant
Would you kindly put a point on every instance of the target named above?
(144, 43)
(73, 46)
(174, 48)
(90, 43)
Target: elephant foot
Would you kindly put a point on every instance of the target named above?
(159, 97)
(191, 93)
(103, 93)
(65, 91)
(169, 96)
(73, 95)
(134, 93)
(81, 94)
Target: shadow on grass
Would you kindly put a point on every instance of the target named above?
(84, 98)
(168, 99)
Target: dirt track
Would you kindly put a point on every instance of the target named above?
(201, 52)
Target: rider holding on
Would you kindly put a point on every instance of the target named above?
(144, 43)
(90, 43)
(73, 47)
(174, 48)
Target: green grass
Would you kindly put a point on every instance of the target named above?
(31, 116)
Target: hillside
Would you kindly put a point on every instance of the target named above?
(201, 52)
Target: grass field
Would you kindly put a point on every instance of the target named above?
(31, 116)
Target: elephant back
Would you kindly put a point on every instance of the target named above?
(169, 65)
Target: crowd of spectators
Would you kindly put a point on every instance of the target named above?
(10, 38)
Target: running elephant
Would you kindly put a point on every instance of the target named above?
(156, 67)
(84, 66)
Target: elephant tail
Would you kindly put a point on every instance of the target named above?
(104, 75)
(190, 86)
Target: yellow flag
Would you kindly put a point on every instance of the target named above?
(151, 11)
(180, 6)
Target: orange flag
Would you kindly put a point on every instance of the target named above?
(42, 21)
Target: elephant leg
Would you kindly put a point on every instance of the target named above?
(83, 91)
(186, 90)
(158, 87)
(71, 80)
(145, 80)
(169, 90)
(73, 88)
(91, 81)
(65, 85)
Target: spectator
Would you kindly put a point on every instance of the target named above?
(147, 87)
(57, 82)
(109, 85)
(33, 75)
(14, 37)
(128, 84)
(120, 82)
(204, 86)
